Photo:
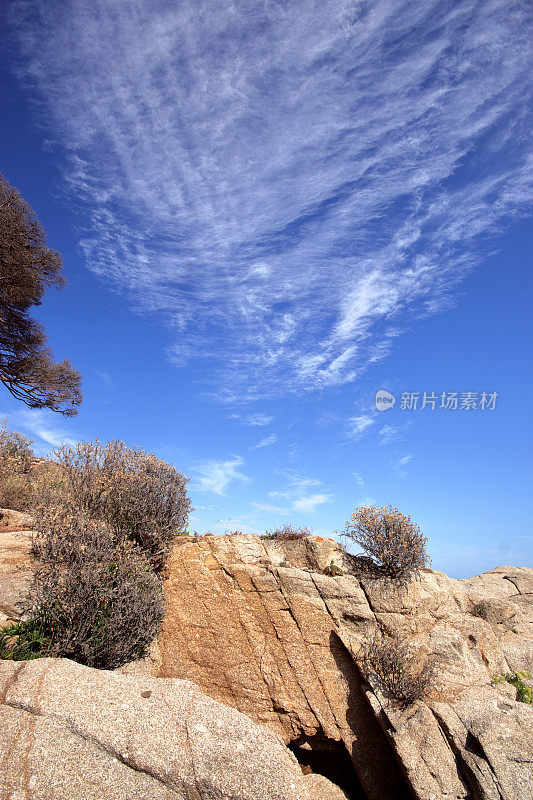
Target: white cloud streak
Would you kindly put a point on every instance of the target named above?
(42, 425)
(254, 420)
(399, 466)
(298, 491)
(358, 425)
(104, 376)
(216, 476)
(267, 441)
(392, 433)
(309, 504)
(285, 186)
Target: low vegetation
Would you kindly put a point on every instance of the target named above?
(16, 456)
(402, 674)
(480, 609)
(393, 542)
(288, 533)
(105, 519)
(524, 693)
(140, 497)
(332, 570)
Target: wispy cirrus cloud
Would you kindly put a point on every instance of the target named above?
(298, 490)
(285, 186)
(400, 465)
(255, 420)
(271, 508)
(104, 376)
(43, 427)
(356, 426)
(266, 441)
(216, 476)
(360, 481)
(392, 433)
(309, 504)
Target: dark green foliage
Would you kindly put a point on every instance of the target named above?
(524, 693)
(23, 641)
(27, 268)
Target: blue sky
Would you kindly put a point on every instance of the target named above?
(268, 211)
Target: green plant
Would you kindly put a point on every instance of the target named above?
(140, 497)
(395, 544)
(24, 641)
(16, 457)
(333, 570)
(288, 533)
(524, 693)
(403, 675)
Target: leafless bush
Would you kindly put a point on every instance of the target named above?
(401, 674)
(94, 599)
(288, 533)
(481, 609)
(16, 456)
(140, 497)
(396, 544)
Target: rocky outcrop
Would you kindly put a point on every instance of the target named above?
(15, 564)
(69, 732)
(257, 625)
(273, 629)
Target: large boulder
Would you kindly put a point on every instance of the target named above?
(70, 732)
(264, 626)
(273, 630)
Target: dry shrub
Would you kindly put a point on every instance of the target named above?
(94, 599)
(16, 456)
(395, 544)
(288, 533)
(400, 673)
(140, 497)
(481, 609)
(105, 517)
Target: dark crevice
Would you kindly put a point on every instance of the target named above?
(463, 772)
(330, 759)
(467, 761)
(375, 761)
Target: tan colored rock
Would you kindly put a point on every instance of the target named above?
(257, 625)
(11, 520)
(492, 740)
(322, 789)
(313, 552)
(71, 732)
(15, 563)
(280, 644)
